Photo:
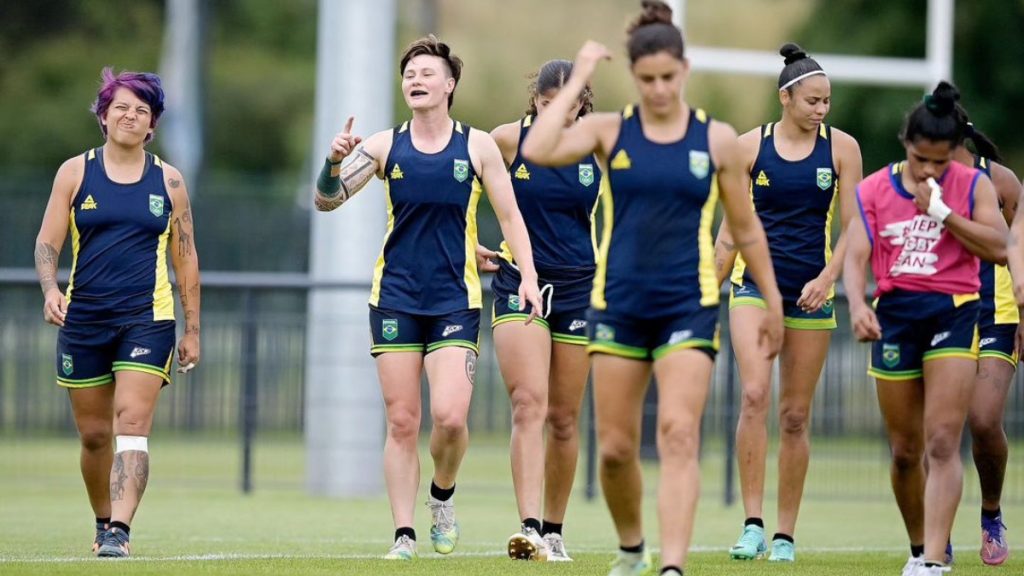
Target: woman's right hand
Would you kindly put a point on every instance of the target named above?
(587, 58)
(865, 324)
(344, 143)
(55, 307)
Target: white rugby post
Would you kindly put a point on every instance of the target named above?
(344, 412)
(884, 71)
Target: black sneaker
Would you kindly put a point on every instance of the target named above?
(114, 544)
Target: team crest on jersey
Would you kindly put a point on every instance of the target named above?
(389, 329)
(522, 173)
(67, 364)
(890, 355)
(700, 163)
(156, 205)
(586, 174)
(824, 178)
(461, 170)
(604, 332)
(513, 302)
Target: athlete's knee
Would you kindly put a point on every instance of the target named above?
(96, 438)
(133, 422)
(403, 426)
(450, 423)
(755, 401)
(794, 420)
(528, 407)
(563, 424)
(906, 454)
(986, 430)
(617, 452)
(943, 444)
(678, 439)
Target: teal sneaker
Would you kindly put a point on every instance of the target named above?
(782, 551)
(444, 530)
(403, 549)
(631, 564)
(751, 544)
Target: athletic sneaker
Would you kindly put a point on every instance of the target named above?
(403, 549)
(114, 544)
(923, 570)
(994, 549)
(556, 548)
(631, 564)
(444, 530)
(782, 551)
(672, 573)
(751, 544)
(910, 568)
(98, 541)
(527, 545)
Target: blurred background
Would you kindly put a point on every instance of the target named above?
(254, 92)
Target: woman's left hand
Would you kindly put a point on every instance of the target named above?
(530, 293)
(188, 353)
(484, 262)
(815, 293)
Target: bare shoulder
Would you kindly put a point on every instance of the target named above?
(844, 142)
(718, 130)
(749, 144)
(1005, 181)
(69, 176)
(506, 133)
(481, 142)
(378, 145)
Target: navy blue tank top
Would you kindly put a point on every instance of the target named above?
(119, 236)
(428, 262)
(558, 206)
(657, 254)
(796, 201)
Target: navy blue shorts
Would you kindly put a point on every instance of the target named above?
(922, 326)
(567, 301)
(651, 339)
(747, 294)
(392, 331)
(997, 341)
(89, 354)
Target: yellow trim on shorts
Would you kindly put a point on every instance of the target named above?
(569, 339)
(453, 343)
(513, 317)
(144, 368)
(1011, 358)
(620, 350)
(895, 376)
(693, 344)
(950, 353)
(810, 323)
(86, 382)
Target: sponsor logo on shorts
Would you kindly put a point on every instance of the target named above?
(939, 337)
(67, 364)
(577, 324)
(604, 332)
(680, 336)
(389, 329)
(986, 341)
(827, 306)
(890, 355)
(449, 330)
(139, 351)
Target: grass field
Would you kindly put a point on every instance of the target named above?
(194, 520)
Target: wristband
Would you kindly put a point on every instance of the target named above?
(327, 184)
(937, 209)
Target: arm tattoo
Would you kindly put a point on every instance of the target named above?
(118, 477)
(357, 173)
(728, 245)
(174, 183)
(184, 238)
(471, 366)
(46, 265)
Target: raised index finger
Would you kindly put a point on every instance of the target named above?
(348, 125)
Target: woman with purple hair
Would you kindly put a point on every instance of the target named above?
(125, 208)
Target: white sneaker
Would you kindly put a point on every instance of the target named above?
(912, 563)
(556, 548)
(923, 570)
(403, 549)
(527, 545)
(631, 564)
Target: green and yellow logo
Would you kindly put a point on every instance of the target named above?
(824, 178)
(621, 161)
(762, 179)
(67, 364)
(89, 203)
(700, 164)
(890, 355)
(586, 174)
(389, 329)
(513, 302)
(461, 170)
(522, 173)
(396, 173)
(604, 332)
(156, 205)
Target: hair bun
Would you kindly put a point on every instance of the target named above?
(654, 12)
(942, 101)
(792, 53)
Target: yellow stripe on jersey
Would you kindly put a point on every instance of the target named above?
(828, 232)
(701, 115)
(601, 275)
(593, 221)
(768, 129)
(1006, 304)
(157, 162)
(163, 301)
(822, 131)
(404, 127)
(961, 299)
(709, 289)
(76, 245)
(527, 121)
(92, 154)
(378, 268)
(470, 275)
(627, 112)
(458, 127)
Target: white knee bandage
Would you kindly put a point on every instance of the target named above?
(129, 443)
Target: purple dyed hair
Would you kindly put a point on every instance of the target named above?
(144, 85)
